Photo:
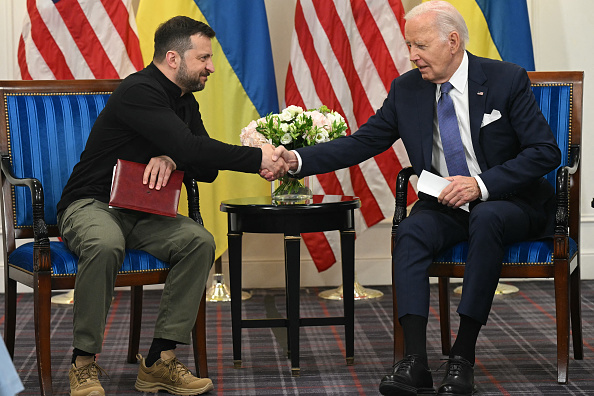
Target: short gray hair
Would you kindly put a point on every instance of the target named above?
(447, 17)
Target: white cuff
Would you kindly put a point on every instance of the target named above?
(298, 164)
(484, 191)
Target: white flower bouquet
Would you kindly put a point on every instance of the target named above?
(294, 128)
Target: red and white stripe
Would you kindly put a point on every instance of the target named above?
(345, 54)
(78, 39)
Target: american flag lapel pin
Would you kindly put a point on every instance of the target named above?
(480, 93)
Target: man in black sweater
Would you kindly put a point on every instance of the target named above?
(152, 118)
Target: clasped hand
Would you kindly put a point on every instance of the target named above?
(461, 190)
(157, 172)
(279, 161)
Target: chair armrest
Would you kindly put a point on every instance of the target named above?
(401, 195)
(401, 198)
(40, 234)
(563, 184)
(574, 159)
(193, 200)
(562, 210)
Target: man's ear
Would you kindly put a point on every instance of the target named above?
(172, 59)
(454, 41)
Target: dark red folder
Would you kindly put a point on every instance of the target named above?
(128, 192)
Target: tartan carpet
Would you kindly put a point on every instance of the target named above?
(516, 351)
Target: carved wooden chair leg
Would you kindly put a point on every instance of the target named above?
(562, 316)
(398, 332)
(576, 314)
(42, 314)
(444, 315)
(135, 322)
(199, 340)
(10, 313)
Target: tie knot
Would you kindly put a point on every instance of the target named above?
(446, 87)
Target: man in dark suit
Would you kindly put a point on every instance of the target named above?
(475, 122)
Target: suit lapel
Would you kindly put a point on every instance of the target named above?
(477, 98)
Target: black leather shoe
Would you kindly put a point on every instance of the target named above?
(459, 378)
(409, 377)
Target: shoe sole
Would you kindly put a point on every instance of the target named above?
(474, 390)
(399, 389)
(151, 387)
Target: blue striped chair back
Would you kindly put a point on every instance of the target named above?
(46, 135)
(555, 103)
(46, 131)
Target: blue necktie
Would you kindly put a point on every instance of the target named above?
(453, 150)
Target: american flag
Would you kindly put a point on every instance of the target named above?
(78, 39)
(345, 54)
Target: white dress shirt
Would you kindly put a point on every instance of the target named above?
(459, 95)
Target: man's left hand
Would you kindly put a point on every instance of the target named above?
(460, 191)
(158, 171)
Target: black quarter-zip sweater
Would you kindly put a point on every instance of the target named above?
(146, 117)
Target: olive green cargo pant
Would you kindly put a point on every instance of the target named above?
(99, 235)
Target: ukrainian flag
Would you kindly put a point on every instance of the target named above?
(242, 88)
(499, 29)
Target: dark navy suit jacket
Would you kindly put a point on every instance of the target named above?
(513, 152)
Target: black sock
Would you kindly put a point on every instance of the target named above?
(465, 344)
(158, 345)
(415, 336)
(77, 352)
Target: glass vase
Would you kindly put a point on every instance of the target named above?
(288, 189)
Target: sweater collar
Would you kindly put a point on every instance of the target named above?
(170, 87)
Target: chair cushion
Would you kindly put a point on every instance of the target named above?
(527, 252)
(64, 262)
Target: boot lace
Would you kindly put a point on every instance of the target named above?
(454, 368)
(177, 370)
(89, 372)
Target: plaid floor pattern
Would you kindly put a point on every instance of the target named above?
(515, 354)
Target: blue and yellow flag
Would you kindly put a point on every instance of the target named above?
(498, 30)
(242, 88)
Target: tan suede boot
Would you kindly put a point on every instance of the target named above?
(170, 375)
(84, 380)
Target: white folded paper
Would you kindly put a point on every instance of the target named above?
(431, 184)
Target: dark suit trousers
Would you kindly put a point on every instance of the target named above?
(432, 227)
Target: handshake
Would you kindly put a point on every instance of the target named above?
(276, 162)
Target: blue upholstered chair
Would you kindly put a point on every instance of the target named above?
(559, 95)
(43, 130)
